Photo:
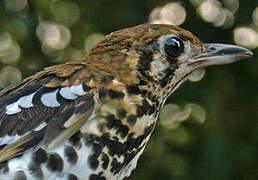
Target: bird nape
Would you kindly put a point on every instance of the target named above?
(92, 119)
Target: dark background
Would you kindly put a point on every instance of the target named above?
(224, 146)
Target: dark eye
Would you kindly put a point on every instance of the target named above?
(173, 47)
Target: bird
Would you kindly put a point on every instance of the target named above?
(91, 119)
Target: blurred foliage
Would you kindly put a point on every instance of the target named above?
(38, 33)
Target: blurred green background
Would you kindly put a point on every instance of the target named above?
(208, 130)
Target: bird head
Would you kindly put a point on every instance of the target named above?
(158, 58)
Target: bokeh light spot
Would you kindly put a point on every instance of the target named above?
(53, 36)
(9, 75)
(12, 54)
(245, 36)
(5, 41)
(225, 20)
(197, 75)
(255, 16)
(15, 5)
(10, 51)
(171, 115)
(232, 5)
(212, 11)
(174, 13)
(197, 112)
(171, 13)
(154, 15)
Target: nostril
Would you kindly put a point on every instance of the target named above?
(211, 49)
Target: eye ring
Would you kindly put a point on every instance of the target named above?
(173, 47)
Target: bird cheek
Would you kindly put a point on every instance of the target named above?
(182, 71)
(158, 68)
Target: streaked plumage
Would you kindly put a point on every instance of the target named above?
(92, 119)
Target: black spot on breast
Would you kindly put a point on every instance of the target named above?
(121, 113)
(136, 142)
(117, 148)
(143, 109)
(71, 154)
(148, 130)
(96, 177)
(115, 94)
(130, 142)
(35, 170)
(153, 98)
(152, 110)
(123, 131)
(131, 119)
(114, 147)
(133, 89)
(129, 156)
(20, 175)
(112, 122)
(72, 177)
(55, 162)
(76, 139)
(105, 161)
(93, 158)
(116, 166)
(93, 161)
(90, 139)
(139, 140)
(97, 149)
(129, 149)
(40, 156)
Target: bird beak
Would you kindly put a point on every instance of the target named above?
(217, 54)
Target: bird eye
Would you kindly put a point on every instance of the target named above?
(173, 47)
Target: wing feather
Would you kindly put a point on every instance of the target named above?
(31, 121)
